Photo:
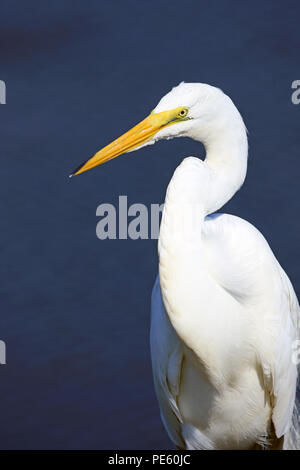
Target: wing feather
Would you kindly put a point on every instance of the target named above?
(284, 367)
(167, 356)
(246, 267)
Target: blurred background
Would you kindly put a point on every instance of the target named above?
(75, 310)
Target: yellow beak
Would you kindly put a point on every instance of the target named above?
(135, 137)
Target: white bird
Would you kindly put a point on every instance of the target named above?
(225, 317)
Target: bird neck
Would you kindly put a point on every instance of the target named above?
(226, 163)
(199, 188)
(211, 183)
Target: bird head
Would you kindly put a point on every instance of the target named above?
(187, 110)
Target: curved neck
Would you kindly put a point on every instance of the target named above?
(199, 188)
(212, 182)
(226, 161)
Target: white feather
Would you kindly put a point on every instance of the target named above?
(224, 313)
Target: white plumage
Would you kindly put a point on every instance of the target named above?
(224, 313)
(225, 317)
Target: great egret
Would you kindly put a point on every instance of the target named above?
(225, 317)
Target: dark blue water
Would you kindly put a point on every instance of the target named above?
(74, 309)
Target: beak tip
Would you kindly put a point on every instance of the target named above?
(75, 172)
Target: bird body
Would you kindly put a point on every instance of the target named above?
(224, 316)
(218, 340)
(228, 307)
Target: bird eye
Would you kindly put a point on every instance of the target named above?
(183, 112)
